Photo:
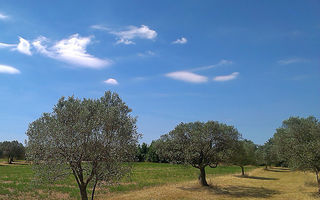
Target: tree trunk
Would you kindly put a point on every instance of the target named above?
(83, 192)
(202, 177)
(93, 189)
(266, 167)
(242, 170)
(10, 160)
(318, 180)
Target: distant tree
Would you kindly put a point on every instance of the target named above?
(142, 152)
(266, 154)
(198, 144)
(12, 150)
(90, 138)
(298, 142)
(152, 155)
(243, 154)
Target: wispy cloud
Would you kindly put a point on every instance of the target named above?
(229, 77)
(100, 27)
(111, 81)
(3, 16)
(130, 33)
(71, 50)
(187, 77)
(190, 76)
(146, 54)
(289, 61)
(222, 62)
(23, 46)
(6, 69)
(4, 45)
(182, 40)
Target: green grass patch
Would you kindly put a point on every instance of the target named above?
(17, 180)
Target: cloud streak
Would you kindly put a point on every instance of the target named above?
(131, 33)
(291, 61)
(187, 77)
(222, 62)
(230, 77)
(3, 16)
(6, 69)
(71, 50)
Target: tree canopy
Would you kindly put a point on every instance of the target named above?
(89, 138)
(298, 142)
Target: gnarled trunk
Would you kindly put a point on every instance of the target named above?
(242, 170)
(202, 177)
(83, 192)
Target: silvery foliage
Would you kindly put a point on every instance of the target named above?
(89, 138)
(197, 143)
(298, 142)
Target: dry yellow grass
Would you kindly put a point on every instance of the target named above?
(276, 183)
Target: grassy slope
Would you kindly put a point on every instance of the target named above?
(16, 181)
(275, 184)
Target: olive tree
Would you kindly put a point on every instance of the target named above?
(12, 150)
(243, 154)
(91, 139)
(198, 144)
(298, 142)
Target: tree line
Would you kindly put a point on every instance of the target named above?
(96, 140)
(12, 150)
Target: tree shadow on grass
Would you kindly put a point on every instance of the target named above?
(256, 177)
(278, 170)
(235, 191)
(311, 184)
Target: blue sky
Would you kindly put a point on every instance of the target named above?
(250, 64)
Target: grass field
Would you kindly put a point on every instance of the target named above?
(16, 181)
(273, 184)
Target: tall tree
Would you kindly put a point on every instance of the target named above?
(12, 150)
(298, 141)
(243, 154)
(198, 144)
(89, 138)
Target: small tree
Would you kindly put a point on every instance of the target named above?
(142, 152)
(198, 144)
(89, 138)
(244, 154)
(12, 150)
(298, 142)
(152, 155)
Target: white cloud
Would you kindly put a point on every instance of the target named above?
(227, 77)
(133, 32)
(182, 40)
(24, 46)
(4, 45)
(111, 81)
(187, 77)
(6, 69)
(3, 16)
(222, 62)
(71, 50)
(291, 61)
